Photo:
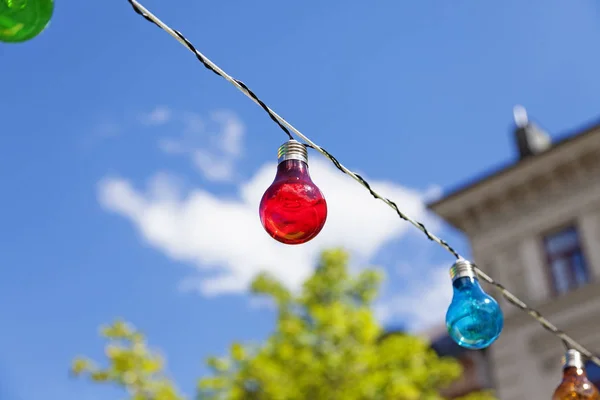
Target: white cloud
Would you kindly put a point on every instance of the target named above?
(423, 301)
(223, 239)
(159, 116)
(213, 145)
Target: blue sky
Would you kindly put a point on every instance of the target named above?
(108, 125)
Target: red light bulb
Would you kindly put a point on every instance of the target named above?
(293, 209)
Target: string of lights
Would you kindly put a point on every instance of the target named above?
(569, 342)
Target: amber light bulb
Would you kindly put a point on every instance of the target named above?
(293, 209)
(575, 384)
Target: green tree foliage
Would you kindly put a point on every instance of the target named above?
(326, 345)
(131, 365)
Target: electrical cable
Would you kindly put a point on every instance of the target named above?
(287, 127)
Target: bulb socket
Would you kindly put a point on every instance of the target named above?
(292, 150)
(573, 358)
(461, 269)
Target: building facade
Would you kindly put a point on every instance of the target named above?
(534, 226)
(476, 374)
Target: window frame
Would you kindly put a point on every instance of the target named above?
(568, 254)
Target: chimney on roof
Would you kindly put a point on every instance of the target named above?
(530, 138)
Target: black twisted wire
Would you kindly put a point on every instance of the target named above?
(335, 162)
(209, 67)
(567, 341)
(389, 202)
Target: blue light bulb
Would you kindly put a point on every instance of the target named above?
(474, 319)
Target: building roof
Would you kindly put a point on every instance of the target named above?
(438, 336)
(445, 346)
(509, 167)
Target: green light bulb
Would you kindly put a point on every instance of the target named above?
(21, 20)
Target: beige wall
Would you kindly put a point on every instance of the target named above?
(514, 254)
(526, 359)
(505, 218)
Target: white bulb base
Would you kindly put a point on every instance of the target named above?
(462, 269)
(292, 150)
(573, 358)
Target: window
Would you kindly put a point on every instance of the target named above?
(565, 260)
